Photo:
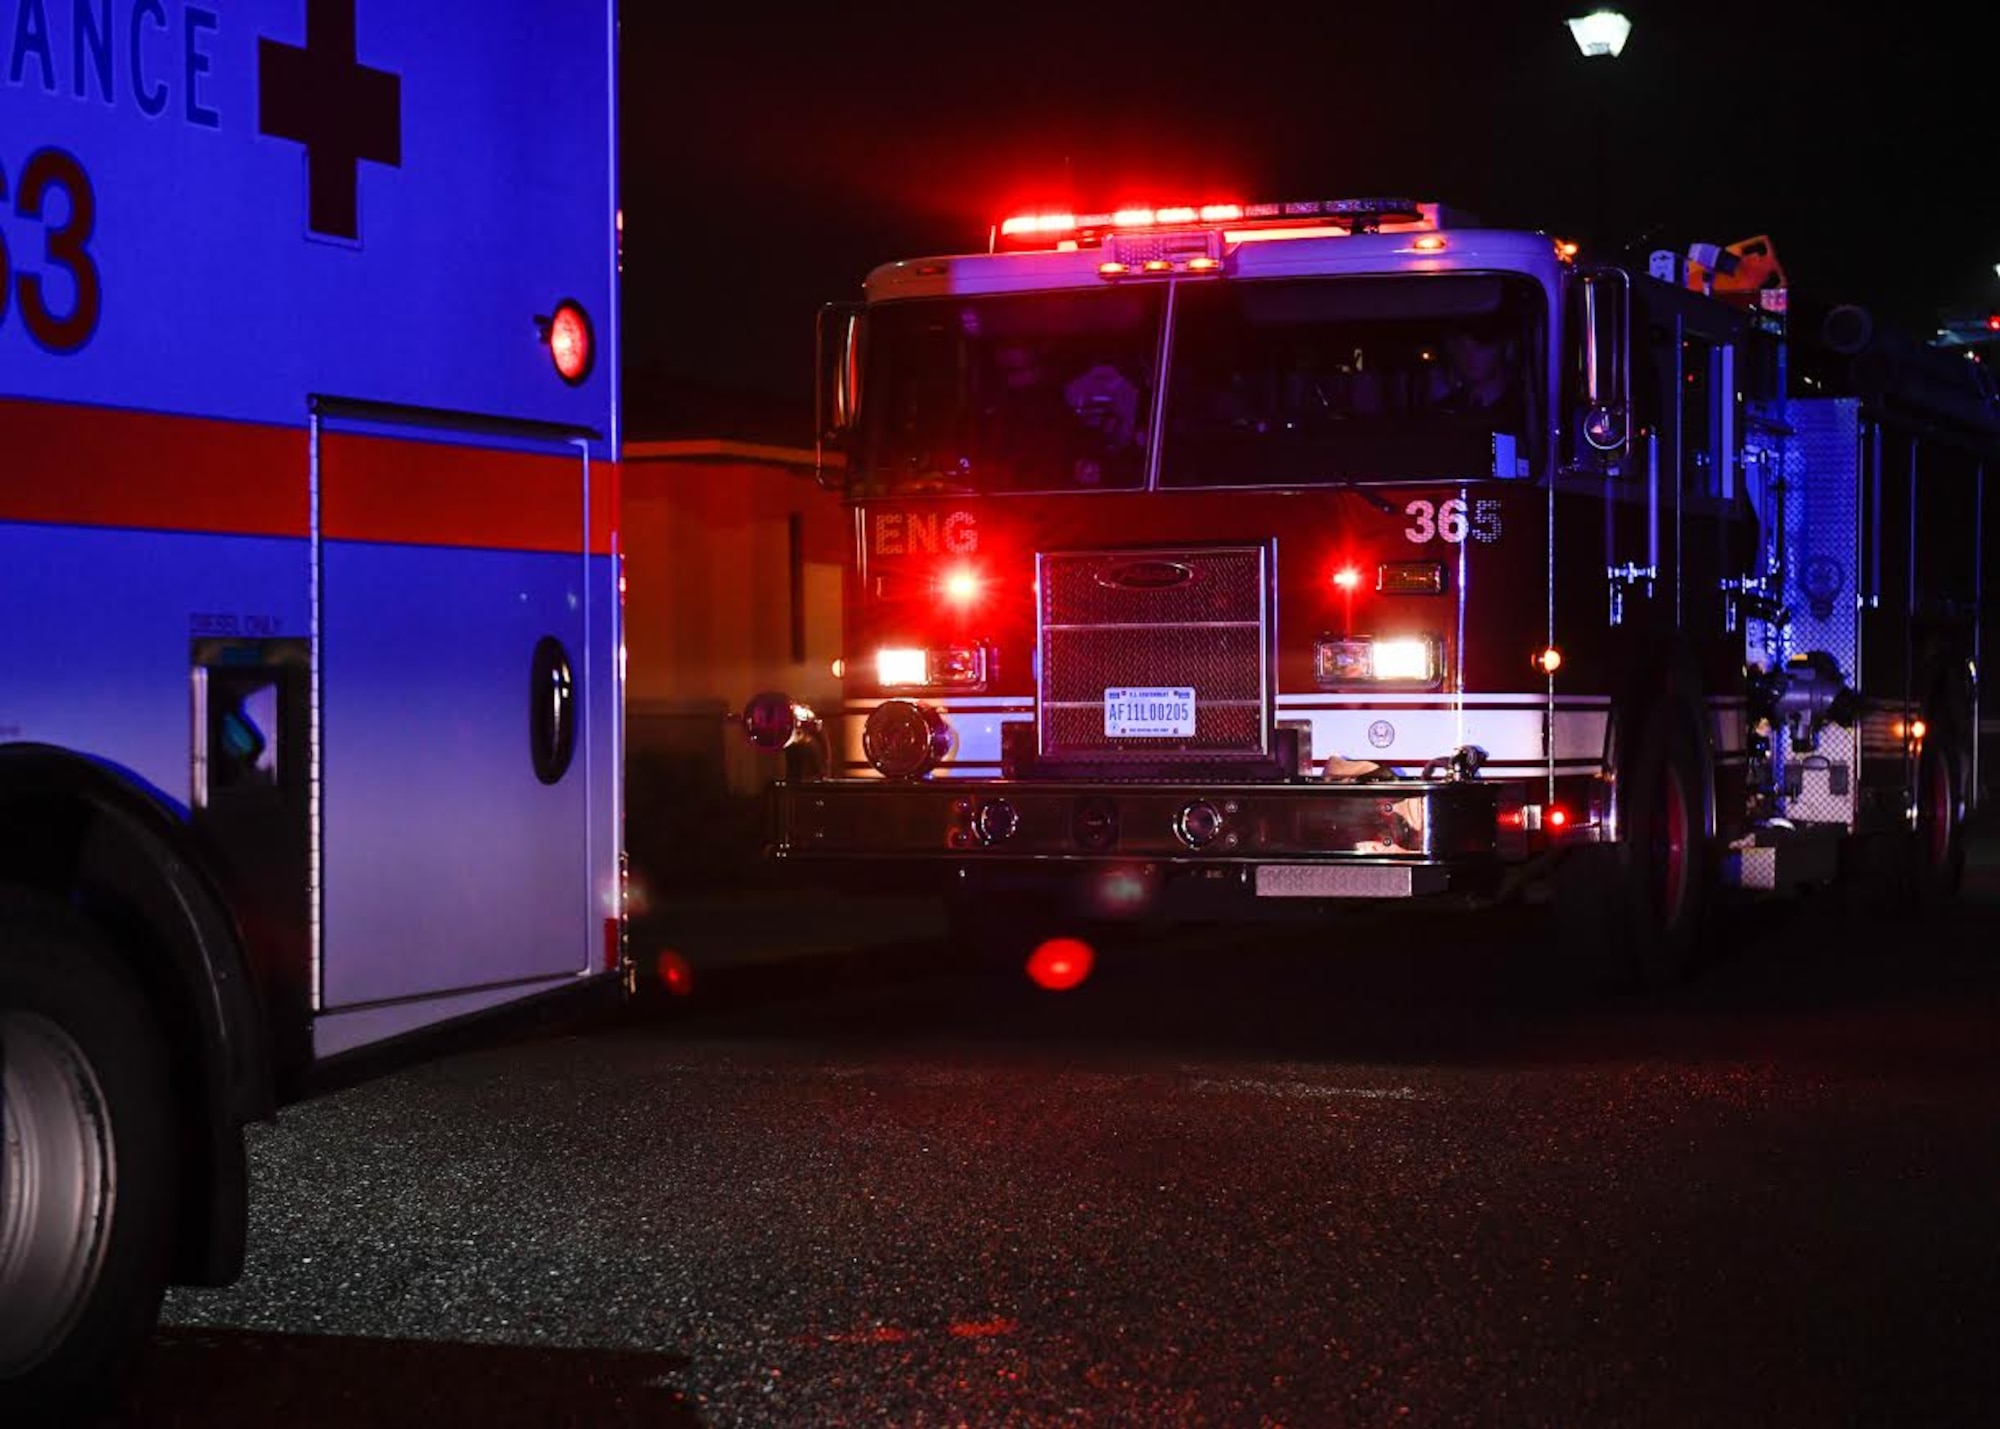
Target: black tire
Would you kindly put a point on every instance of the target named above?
(87, 1212)
(1637, 914)
(1933, 864)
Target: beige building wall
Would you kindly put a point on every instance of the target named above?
(732, 568)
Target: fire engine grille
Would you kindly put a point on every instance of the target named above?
(1191, 618)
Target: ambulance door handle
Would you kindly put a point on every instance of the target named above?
(551, 710)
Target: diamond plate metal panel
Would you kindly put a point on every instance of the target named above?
(1821, 518)
(1309, 880)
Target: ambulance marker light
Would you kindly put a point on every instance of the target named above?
(1429, 243)
(571, 348)
(1918, 729)
(1555, 816)
(1347, 578)
(1548, 660)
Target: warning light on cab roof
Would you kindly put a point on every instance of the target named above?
(1071, 230)
(572, 345)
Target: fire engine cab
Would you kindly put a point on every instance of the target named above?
(1353, 550)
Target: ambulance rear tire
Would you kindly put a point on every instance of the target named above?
(90, 1168)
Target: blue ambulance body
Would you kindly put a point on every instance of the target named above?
(310, 621)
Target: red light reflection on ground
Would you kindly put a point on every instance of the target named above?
(1061, 963)
(674, 973)
(982, 1329)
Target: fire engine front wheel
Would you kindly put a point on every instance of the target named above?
(87, 1200)
(1934, 857)
(1634, 913)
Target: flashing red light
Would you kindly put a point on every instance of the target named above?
(675, 975)
(1059, 964)
(960, 586)
(1556, 816)
(1348, 578)
(1993, 322)
(571, 346)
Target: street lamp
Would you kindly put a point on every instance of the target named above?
(1601, 34)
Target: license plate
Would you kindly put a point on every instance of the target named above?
(1149, 712)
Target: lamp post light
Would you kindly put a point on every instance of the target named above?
(1601, 32)
(1601, 35)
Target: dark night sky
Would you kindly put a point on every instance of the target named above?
(769, 162)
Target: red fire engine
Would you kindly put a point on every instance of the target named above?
(1354, 550)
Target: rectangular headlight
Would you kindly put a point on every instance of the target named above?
(951, 666)
(1375, 660)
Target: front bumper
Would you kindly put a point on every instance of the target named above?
(1397, 838)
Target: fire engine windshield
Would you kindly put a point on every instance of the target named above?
(1301, 381)
(1009, 392)
(1276, 382)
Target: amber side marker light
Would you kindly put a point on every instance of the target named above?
(1548, 661)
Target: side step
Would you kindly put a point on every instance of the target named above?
(1783, 859)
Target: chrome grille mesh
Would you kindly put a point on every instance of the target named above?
(1194, 617)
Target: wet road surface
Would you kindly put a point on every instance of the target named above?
(1383, 1174)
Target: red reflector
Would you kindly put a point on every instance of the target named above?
(1061, 963)
(614, 944)
(570, 343)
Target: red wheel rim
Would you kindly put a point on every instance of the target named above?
(1934, 810)
(1670, 847)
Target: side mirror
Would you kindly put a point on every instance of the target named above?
(1602, 330)
(773, 721)
(837, 388)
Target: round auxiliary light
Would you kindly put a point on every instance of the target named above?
(572, 346)
(903, 739)
(1198, 824)
(995, 821)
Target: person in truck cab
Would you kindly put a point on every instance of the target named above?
(1478, 377)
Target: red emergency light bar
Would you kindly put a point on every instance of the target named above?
(1085, 230)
